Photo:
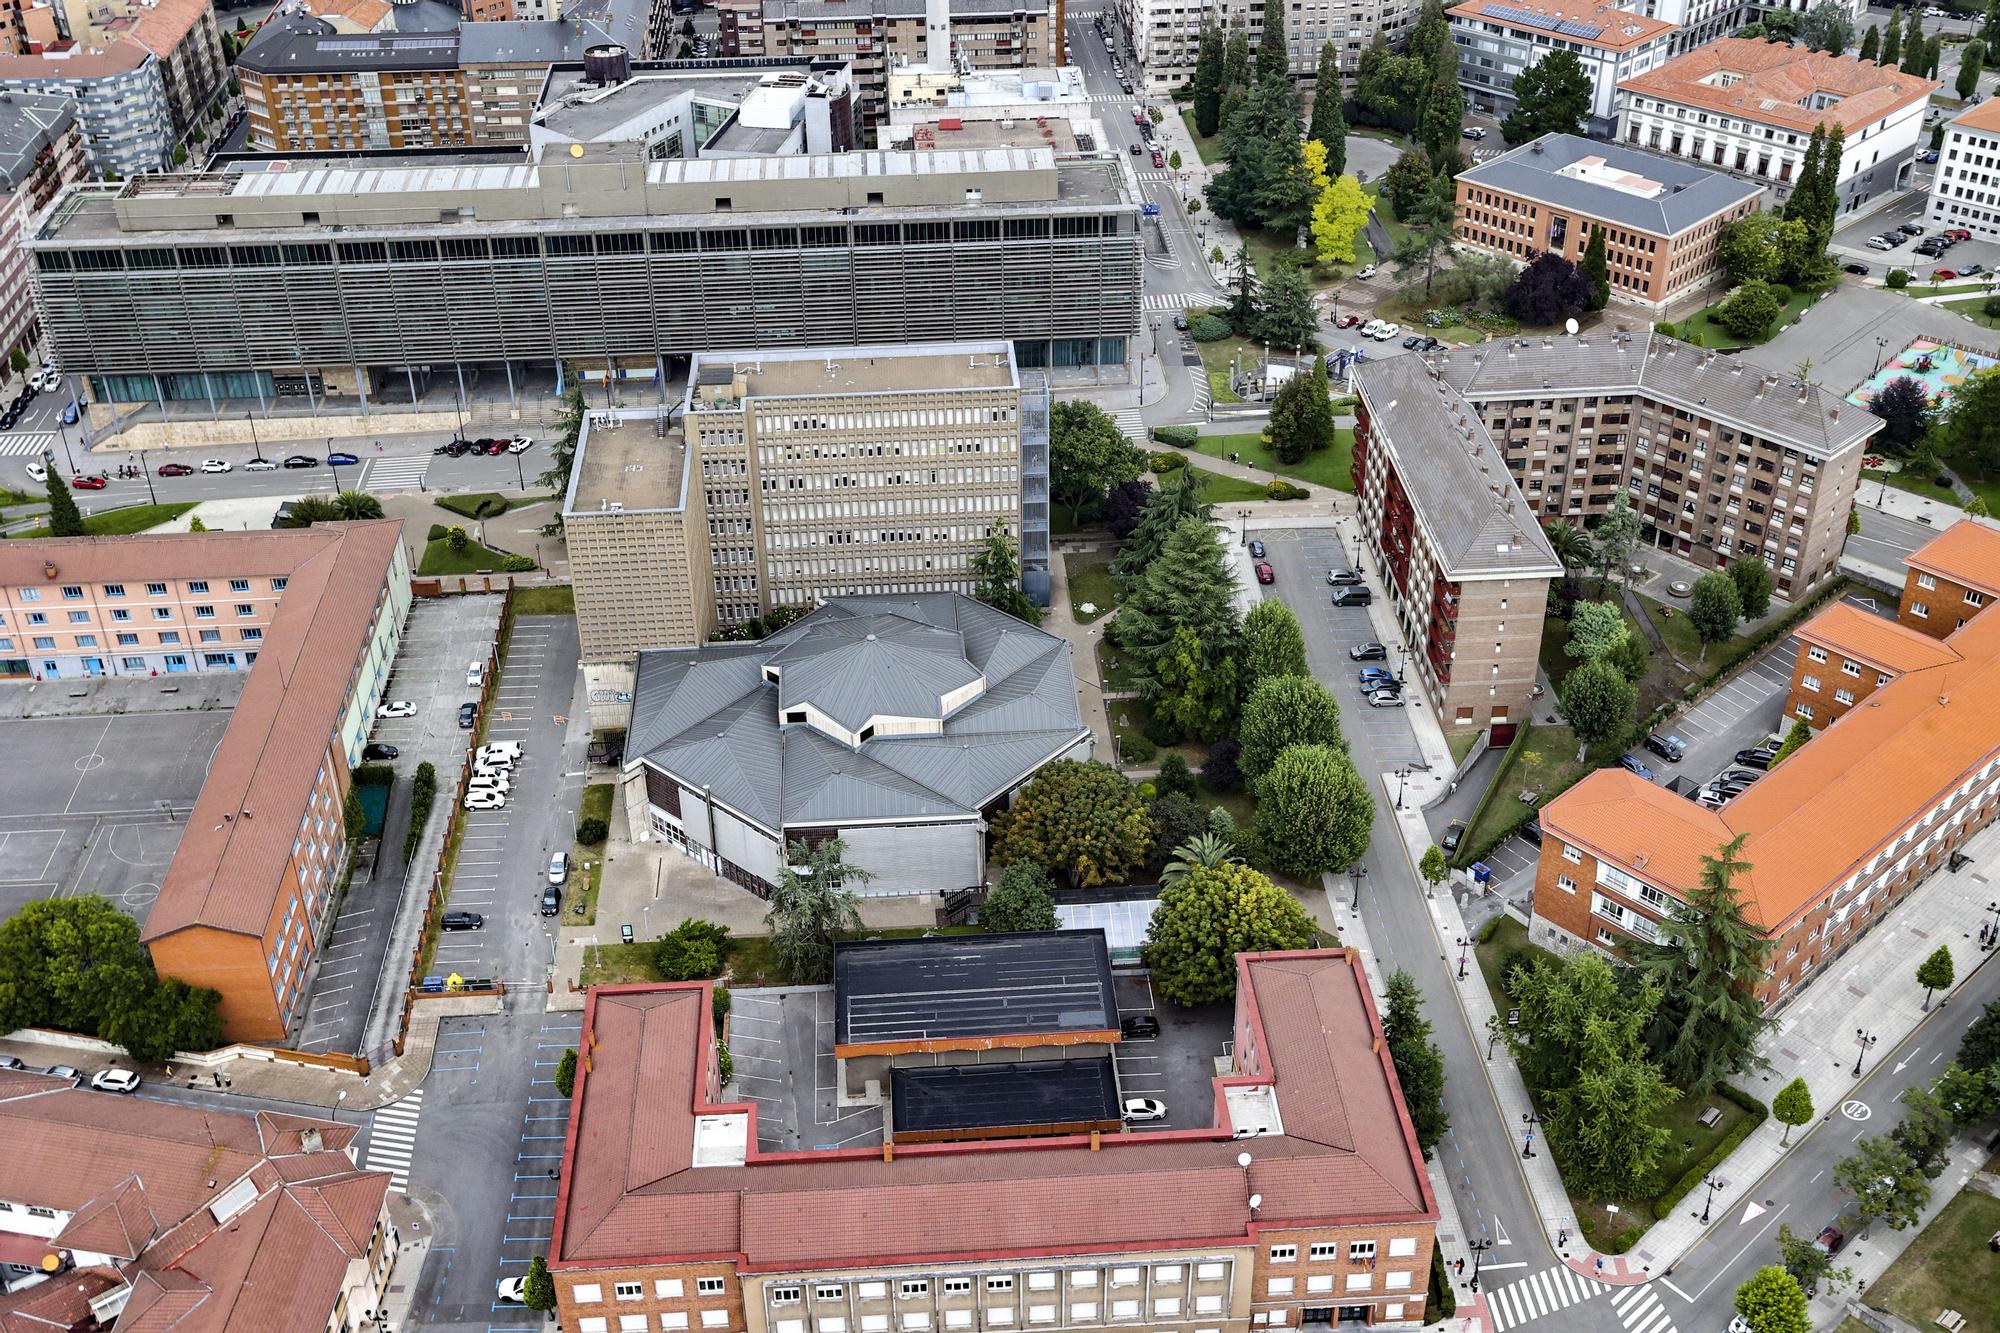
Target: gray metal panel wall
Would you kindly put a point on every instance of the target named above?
(915, 858)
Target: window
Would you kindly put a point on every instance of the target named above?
(1319, 1284)
(1167, 1273)
(239, 585)
(999, 1314)
(953, 1285)
(586, 1293)
(874, 1323)
(198, 585)
(832, 1324)
(1919, 610)
(958, 1319)
(1816, 653)
(1202, 1272)
(1402, 1247)
(915, 1286)
(1926, 581)
(1572, 854)
(79, 617)
(708, 1286)
(114, 590)
(629, 1291)
(171, 636)
(120, 613)
(1567, 885)
(1167, 1305)
(1041, 1314)
(45, 642)
(37, 618)
(1041, 1282)
(1360, 1281)
(163, 613)
(715, 1319)
(1284, 1254)
(204, 613)
(156, 590)
(1397, 1282)
(1083, 1310)
(211, 636)
(278, 585)
(31, 594)
(672, 1322)
(786, 1295)
(1361, 1251)
(72, 593)
(252, 633)
(1805, 711)
(1000, 1283)
(916, 1319)
(245, 609)
(1324, 1250)
(872, 1291)
(667, 1288)
(1083, 1278)
(595, 1323)
(1843, 696)
(1850, 667)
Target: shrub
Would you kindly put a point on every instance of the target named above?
(1223, 771)
(518, 564)
(423, 791)
(725, 1066)
(1284, 490)
(1168, 462)
(1136, 750)
(479, 504)
(692, 951)
(590, 832)
(1992, 307)
(1162, 731)
(1180, 437)
(566, 1072)
(436, 533)
(1208, 329)
(1664, 1205)
(1898, 279)
(374, 775)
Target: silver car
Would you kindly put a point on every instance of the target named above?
(1385, 699)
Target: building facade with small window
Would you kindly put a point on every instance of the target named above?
(1966, 191)
(1834, 836)
(1497, 40)
(1950, 578)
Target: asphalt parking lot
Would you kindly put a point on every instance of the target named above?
(441, 636)
(1176, 1067)
(95, 804)
(776, 1035)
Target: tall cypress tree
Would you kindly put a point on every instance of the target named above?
(1208, 81)
(1871, 44)
(1798, 205)
(1597, 268)
(1933, 52)
(64, 520)
(1989, 31)
(1444, 106)
(1235, 63)
(1329, 124)
(1892, 43)
(1272, 57)
(1913, 40)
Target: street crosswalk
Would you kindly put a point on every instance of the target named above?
(27, 444)
(1177, 300)
(1535, 1297)
(1129, 421)
(1641, 1310)
(395, 474)
(393, 1136)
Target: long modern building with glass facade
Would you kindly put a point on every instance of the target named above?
(338, 281)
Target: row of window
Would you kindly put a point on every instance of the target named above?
(168, 638)
(73, 592)
(120, 614)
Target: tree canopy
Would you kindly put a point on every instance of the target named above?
(1020, 901)
(1282, 711)
(1188, 585)
(77, 964)
(1314, 811)
(1419, 1063)
(808, 911)
(1772, 1302)
(1714, 608)
(1551, 96)
(1549, 290)
(1088, 454)
(1081, 820)
(1206, 917)
(1273, 644)
(1905, 407)
(996, 577)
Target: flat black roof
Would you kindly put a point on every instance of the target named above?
(1003, 1096)
(948, 987)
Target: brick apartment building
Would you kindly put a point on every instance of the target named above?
(1835, 835)
(1306, 1202)
(1662, 218)
(308, 87)
(1722, 459)
(320, 610)
(1462, 554)
(1951, 577)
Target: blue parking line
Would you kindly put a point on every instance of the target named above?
(524, 1240)
(505, 1260)
(538, 1157)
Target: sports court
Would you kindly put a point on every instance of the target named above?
(1938, 366)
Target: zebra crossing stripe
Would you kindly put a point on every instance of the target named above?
(1535, 1297)
(392, 1137)
(29, 445)
(388, 474)
(1129, 421)
(1640, 1310)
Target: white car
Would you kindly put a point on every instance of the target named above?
(484, 798)
(1371, 329)
(397, 708)
(1385, 699)
(215, 465)
(559, 869)
(48, 381)
(499, 782)
(115, 1080)
(1144, 1108)
(259, 465)
(520, 444)
(492, 763)
(1367, 271)
(512, 1290)
(1388, 332)
(36, 472)
(507, 750)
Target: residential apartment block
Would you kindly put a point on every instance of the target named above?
(1165, 35)
(1302, 1200)
(1497, 41)
(1721, 459)
(1662, 219)
(1461, 553)
(737, 108)
(310, 88)
(1835, 835)
(148, 1215)
(1750, 107)
(1846, 654)
(342, 278)
(1950, 578)
(320, 611)
(41, 150)
(1966, 190)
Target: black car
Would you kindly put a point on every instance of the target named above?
(1139, 1025)
(1532, 830)
(1758, 758)
(379, 751)
(1352, 596)
(551, 900)
(1256, 549)
(461, 921)
(1429, 344)
(1411, 343)
(1670, 748)
(301, 460)
(468, 713)
(1369, 652)
(1858, 270)
(1911, 229)
(1454, 833)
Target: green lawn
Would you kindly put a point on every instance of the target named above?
(1947, 1267)
(1209, 146)
(1218, 489)
(1331, 468)
(1117, 674)
(1461, 743)
(1678, 632)
(439, 558)
(1269, 247)
(559, 600)
(1904, 481)
(1090, 581)
(1545, 766)
(620, 964)
(120, 522)
(596, 803)
(1714, 335)
(1220, 358)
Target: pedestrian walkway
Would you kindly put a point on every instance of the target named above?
(395, 474)
(392, 1137)
(1129, 421)
(1178, 300)
(1640, 1310)
(27, 444)
(1542, 1294)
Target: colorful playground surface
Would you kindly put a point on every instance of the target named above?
(1939, 366)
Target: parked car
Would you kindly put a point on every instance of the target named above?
(1928, 155)
(1943, 275)
(115, 1080)
(301, 460)
(475, 674)
(1367, 272)
(1877, 243)
(1388, 332)
(1256, 549)
(37, 472)
(468, 714)
(1454, 833)
(92, 483)
(1352, 596)
(1180, 320)
(1631, 763)
(69, 414)
(480, 798)
(1532, 830)
(559, 869)
(490, 780)
(215, 465)
(461, 921)
(1159, 158)
(341, 460)
(1410, 343)
(551, 900)
(397, 708)
(1371, 328)
(1474, 132)
(1369, 675)
(512, 1290)
(511, 749)
(1669, 747)
(261, 465)
(11, 1062)
(1347, 321)
(1139, 1025)
(63, 1071)
(379, 751)
(175, 470)
(1386, 699)
(1265, 574)
(1959, 234)
(520, 444)
(1971, 270)
(1343, 578)
(1911, 229)
(1858, 270)
(1758, 757)
(1428, 344)
(1139, 1109)
(1369, 652)
(1829, 1240)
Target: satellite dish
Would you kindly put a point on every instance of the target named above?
(1243, 1160)
(1256, 1202)
(1569, 327)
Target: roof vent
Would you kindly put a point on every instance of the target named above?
(48, 569)
(310, 1141)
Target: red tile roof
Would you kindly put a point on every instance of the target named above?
(630, 1187)
(1772, 83)
(1888, 645)
(1967, 553)
(1617, 29)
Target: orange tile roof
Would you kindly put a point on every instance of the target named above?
(1774, 80)
(1824, 813)
(1967, 553)
(1887, 645)
(1618, 29)
(630, 1188)
(1980, 116)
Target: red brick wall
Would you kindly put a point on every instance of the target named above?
(1945, 604)
(689, 1302)
(1301, 1269)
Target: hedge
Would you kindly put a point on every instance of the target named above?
(479, 504)
(1168, 462)
(437, 533)
(1208, 329)
(1180, 437)
(1441, 1302)
(1663, 1206)
(1280, 489)
(1470, 852)
(374, 775)
(423, 791)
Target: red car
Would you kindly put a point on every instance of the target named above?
(495, 448)
(1265, 574)
(1943, 275)
(1347, 321)
(83, 483)
(175, 470)
(1959, 234)
(1159, 158)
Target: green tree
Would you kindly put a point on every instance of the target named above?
(1433, 867)
(1177, 821)
(1970, 428)
(1892, 43)
(1243, 307)
(1273, 644)
(1329, 125)
(1714, 608)
(353, 819)
(1407, 180)
(1989, 31)
(1807, 1264)
(1596, 266)
(1081, 820)
(1615, 539)
(308, 510)
(1189, 585)
(997, 577)
(1752, 578)
(457, 540)
(1431, 33)
(1871, 43)
(355, 505)
(1179, 496)
(1750, 310)
(1288, 318)
(1236, 62)
(1572, 547)
(1793, 1106)
(1444, 105)
(1828, 26)
(71, 963)
(1551, 96)
(1208, 82)
(1968, 1096)
(1209, 915)
(1631, 657)
(1263, 185)
(1431, 231)
(1970, 61)
(1315, 416)
(1979, 1048)
(1771, 1302)
(1314, 811)
(1194, 686)
(1339, 213)
(1596, 702)
(1706, 965)
(1913, 41)
(1388, 86)
(1088, 454)
(1800, 733)
(1745, 247)
(808, 910)
(1020, 901)
(1906, 411)
(539, 1291)
(566, 1073)
(1174, 164)
(568, 430)
(1282, 711)
(1884, 1182)
(1175, 778)
(17, 359)
(1936, 973)
(64, 518)
(1209, 849)
(1926, 1130)
(1273, 61)
(1595, 629)
(1419, 1065)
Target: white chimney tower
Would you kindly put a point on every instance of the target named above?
(937, 35)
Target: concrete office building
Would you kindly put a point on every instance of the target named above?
(1461, 554)
(1721, 458)
(1966, 190)
(1663, 219)
(338, 281)
(1497, 40)
(899, 723)
(738, 108)
(670, 1211)
(41, 150)
(1749, 108)
(920, 93)
(1166, 34)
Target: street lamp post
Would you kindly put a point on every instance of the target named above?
(1462, 946)
(1863, 1039)
(1402, 775)
(1359, 567)
(1530, 1120)
(1713, 1185)
(1881, 345)
(1989, 931)
(256, 444)
(63, 432)
(148, 472)
(332, 466)
(1242, 527)
(1357, 872)
(1479, 1248)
